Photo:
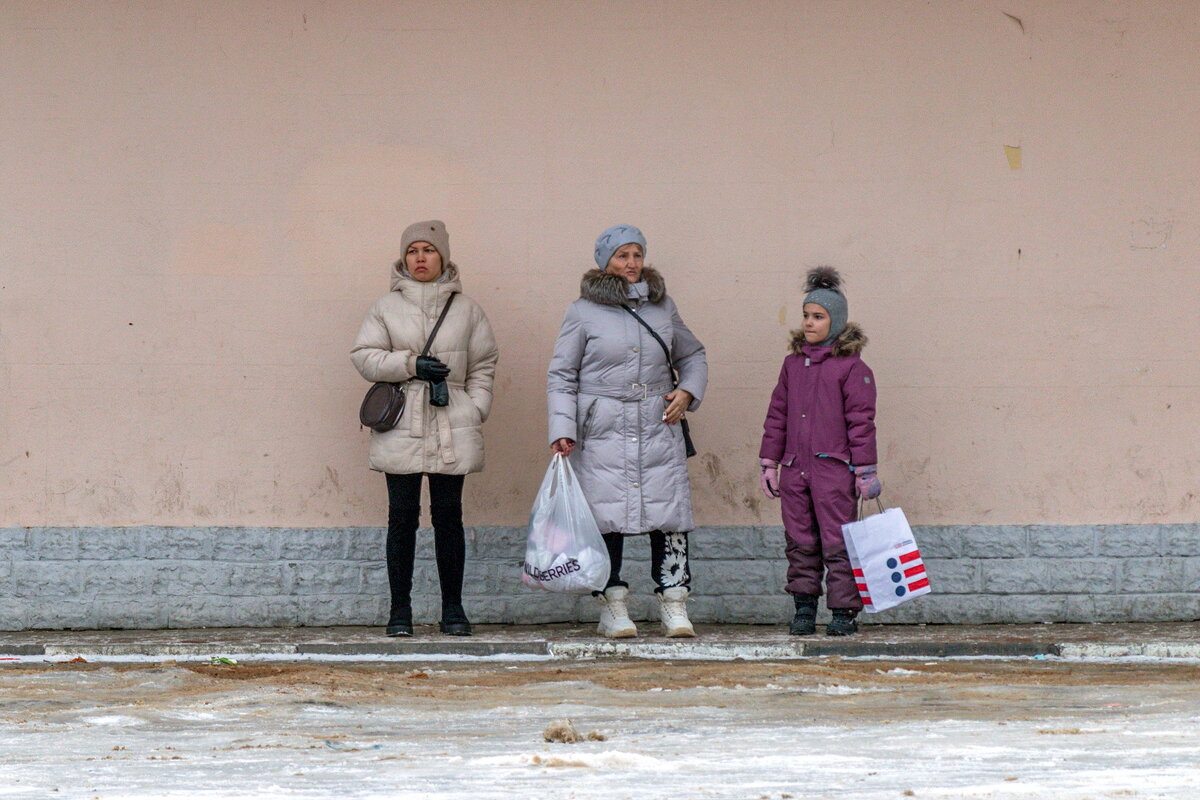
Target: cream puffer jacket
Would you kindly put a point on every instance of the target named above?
(446, 440)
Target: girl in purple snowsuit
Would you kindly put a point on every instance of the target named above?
(818, 453)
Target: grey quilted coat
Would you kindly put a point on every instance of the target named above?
(605, 391)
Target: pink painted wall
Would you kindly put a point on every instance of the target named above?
(199, 201)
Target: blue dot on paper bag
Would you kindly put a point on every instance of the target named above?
(897, 577)
(900, 590)
(892, 563)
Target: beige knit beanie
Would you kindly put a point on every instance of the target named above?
(432, 231)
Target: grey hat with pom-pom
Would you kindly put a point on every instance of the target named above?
(825, 289)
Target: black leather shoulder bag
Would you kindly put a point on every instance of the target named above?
(383, 406)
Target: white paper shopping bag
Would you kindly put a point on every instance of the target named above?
(887, 564)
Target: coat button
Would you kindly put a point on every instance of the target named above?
(633, 438)
(803, 416)
(634, 349)
(636, 485)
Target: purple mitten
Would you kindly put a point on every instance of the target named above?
(866, 482)
(769, 480)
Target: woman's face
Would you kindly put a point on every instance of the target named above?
(816, 323)
(424, 262)
(627, 262)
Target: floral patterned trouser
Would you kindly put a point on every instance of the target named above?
(668, 559)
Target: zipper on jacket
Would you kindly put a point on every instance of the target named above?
(835, 458)
(587, 419)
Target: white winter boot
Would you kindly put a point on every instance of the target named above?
(673, 613)
(614, 616)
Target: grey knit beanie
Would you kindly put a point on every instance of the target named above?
(432, 231)
(613, 239)
(825, 289)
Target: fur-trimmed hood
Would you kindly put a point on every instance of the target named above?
(852, 341)
(600, 287)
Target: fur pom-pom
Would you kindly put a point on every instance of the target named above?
(824, 278)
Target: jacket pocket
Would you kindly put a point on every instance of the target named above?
(582, 430)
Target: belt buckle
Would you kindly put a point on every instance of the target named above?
(643, 387)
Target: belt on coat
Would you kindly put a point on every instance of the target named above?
(441, 418)
(626, 391)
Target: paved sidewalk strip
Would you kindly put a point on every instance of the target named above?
(568, 642)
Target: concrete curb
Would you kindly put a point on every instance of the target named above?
(1103, 650)
(435, 650)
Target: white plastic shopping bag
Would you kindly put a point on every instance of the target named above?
(564, 552)
(887, 564)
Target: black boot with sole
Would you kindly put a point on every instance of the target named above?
(843, 623)
(805, 621)
(454, 620)
(400, 621)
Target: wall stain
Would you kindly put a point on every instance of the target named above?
(169, 494)
(730, 492)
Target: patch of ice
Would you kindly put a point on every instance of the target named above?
(837, 690)
(112, 720)
(901, 671)
(605, 760)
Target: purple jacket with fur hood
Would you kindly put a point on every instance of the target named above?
(824, 404)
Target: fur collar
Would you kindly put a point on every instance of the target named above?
(609, 290)
(852, 341)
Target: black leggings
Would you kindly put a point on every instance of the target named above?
(404, 516)
(668, 559)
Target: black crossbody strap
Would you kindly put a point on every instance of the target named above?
(689, 449)
(657, 338)
(438, 324)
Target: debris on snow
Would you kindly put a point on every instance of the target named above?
(561, 730)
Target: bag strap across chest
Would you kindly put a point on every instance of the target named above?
(441, 318)
(657, 338)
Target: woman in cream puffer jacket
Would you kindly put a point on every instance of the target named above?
(442, 442)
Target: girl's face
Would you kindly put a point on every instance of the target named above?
(816, 323)
(423, 261)
(627, 262)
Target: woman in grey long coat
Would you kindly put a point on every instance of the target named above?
(615, 411)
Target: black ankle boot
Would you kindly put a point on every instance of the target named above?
(454, 620)
(400, 621)
(805, 621)
(843, 623)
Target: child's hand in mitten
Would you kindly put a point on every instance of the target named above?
(769, 480)
(866, 482)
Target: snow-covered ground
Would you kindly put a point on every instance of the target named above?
(822, 728)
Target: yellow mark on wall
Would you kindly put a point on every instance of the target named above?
(783, 315)
(1013, 154)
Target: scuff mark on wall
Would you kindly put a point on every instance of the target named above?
(731, 493)
(1150, 233)
(169, 494)
(1017, 20)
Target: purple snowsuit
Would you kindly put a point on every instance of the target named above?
(821, 420)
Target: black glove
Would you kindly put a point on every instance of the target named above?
(429, 368)
(439, 394)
